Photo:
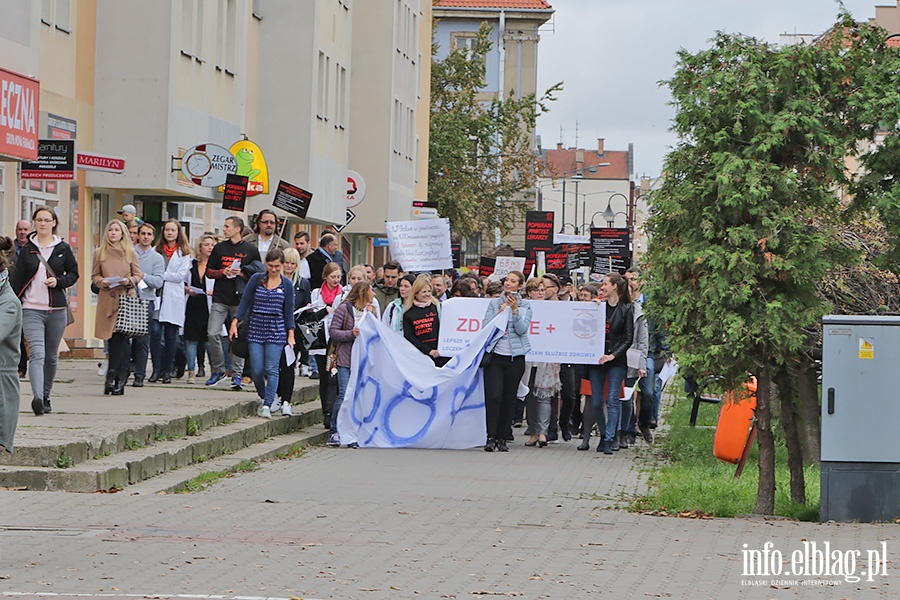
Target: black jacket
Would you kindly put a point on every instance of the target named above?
(62, 261)
(620, 334)
(317, 260)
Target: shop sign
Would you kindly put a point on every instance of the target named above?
(208, 165)
(356, 188)
(19, 97)
(55, 160)
(90, 161)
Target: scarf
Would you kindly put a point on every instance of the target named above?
(169, 250)
(330, 293)
(421, 304)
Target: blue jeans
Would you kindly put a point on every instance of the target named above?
(343, 378)
(191, 349)
(613, 376)
(264, 360)
(648, 395)
(169, 346)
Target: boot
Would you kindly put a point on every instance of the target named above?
(191, 378)
(47, 407)
(623, 440)
(166, 378)
(120, 378)
(110, 382)
(154, 377)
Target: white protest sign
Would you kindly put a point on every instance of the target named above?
(505, 264)
(420, 245)
(560, 332)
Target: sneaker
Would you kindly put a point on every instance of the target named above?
(304, 371)
(276, 405)
(334, 441)
(286, 410)
(313, 375)
(191, 378)
(47, 407)
(246, 380)
(215, 378)
(353, 445)
(102, 368)
(236, 385)
(37, 405)
(264, 411)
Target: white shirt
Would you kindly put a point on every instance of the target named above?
(303, 268)
(264, 245)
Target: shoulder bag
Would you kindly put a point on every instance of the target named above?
(70, 318)
(134, 315)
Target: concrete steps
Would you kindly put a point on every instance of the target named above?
(169, 444)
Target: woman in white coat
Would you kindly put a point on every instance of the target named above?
(176, 251)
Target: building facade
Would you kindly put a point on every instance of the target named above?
(141, 83)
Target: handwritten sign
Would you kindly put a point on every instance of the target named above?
(421, 245)
(505, 264)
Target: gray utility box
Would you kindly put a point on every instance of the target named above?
(860, 419)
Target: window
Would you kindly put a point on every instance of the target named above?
(322, 90)
(57, 13)
(192, 29)
(226, 22)
(341, 97)
(464, 41)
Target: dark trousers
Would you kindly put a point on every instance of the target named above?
(119, 353)
(325, 395)
(567, 395)
(286, 377)
(140, 350)
(23, 357)
(501, 380)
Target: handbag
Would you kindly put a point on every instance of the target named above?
(331, 356)
(240, 345)
(134, 316)
(70, 317)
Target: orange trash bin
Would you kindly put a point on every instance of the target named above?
(735, 422)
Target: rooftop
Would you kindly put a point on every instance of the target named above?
(511, 4)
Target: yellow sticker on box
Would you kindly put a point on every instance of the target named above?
(866, 349)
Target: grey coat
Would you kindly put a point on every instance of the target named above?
(637, 354)
(10, 336)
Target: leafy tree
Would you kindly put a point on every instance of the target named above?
(745, 224)
(481, 153)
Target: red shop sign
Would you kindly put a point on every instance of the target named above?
(19, 97)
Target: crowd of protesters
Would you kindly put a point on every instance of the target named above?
(235, 302)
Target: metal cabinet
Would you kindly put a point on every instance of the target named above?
(860, 467)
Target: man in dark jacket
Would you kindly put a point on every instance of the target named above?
(232, 263)
(324, 254)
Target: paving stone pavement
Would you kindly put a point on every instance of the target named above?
(342, 523)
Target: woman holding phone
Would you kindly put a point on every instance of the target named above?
(505, 358)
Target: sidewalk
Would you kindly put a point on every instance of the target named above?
(90, 431)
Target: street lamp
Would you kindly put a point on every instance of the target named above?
(609, 214)
(578, 177)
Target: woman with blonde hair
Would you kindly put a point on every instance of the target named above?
(196, 312)
(344, 329)
(422, 319)
(173, 246)
(115, 272)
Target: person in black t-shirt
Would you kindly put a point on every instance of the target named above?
(422, 319)
(231, 276)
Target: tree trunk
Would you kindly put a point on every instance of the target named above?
(765, 494)
(786, 395)
(809, 411)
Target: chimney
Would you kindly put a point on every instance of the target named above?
(559, 145)
(600, 149)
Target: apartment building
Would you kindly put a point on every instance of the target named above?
(138, 84)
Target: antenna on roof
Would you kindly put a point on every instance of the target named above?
(576, 133)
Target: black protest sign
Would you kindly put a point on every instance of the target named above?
(235, 195)
(292, 199)
(538, 232)
(486, 266)
(609, 250)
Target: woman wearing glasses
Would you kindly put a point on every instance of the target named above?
(45, 268)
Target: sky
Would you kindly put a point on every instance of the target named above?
(611, 54)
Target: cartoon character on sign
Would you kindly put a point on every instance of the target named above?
(244, 158)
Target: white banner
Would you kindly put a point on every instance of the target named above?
(421, 245)
(397, 398)
(561, 332)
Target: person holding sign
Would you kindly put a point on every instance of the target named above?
(422, 319)
(505, 361)
(613, 364)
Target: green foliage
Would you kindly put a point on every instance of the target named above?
(745, 224)
(480, 152)
(63, 460)
(131, 442)
(204, 480)
(692, 480)
(193, 427)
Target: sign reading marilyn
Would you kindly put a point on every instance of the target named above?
(397, 398)
(421, 245)
(560, 332)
